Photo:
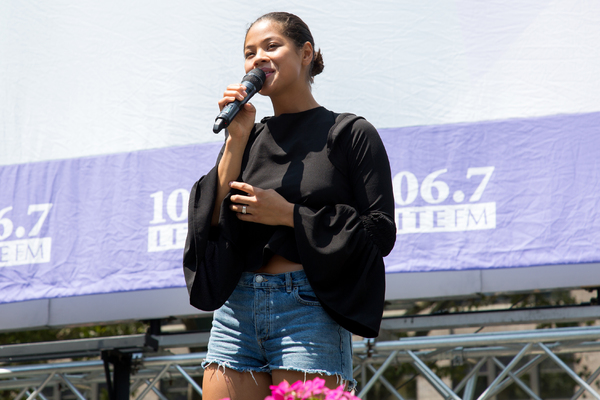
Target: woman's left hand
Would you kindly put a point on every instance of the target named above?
(261, 206)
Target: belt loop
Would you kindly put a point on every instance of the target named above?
(288, 282)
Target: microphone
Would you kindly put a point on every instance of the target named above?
(253, 82)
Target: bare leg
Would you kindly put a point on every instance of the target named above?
(218, 383)
(280, 375)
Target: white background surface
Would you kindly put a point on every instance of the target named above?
(87, 78)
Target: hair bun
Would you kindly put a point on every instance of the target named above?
(317, 64)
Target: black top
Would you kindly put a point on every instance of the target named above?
(338, 176)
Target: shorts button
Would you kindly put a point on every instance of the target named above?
(259, 278)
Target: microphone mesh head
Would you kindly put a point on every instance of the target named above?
(256, 77)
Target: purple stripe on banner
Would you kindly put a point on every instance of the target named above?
(513, 193)
(498, 194)
(97, 225)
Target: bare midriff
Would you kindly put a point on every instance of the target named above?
(279, 265)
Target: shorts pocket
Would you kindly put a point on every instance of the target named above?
(305, 296)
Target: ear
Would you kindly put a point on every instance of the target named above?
(307, 53)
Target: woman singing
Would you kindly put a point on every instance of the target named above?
(287, 233)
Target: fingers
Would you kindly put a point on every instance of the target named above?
(244, 187)
(242, 204)
(232, 93)
(240, 127)
(242, 209)
(249, 107)
(264, 206)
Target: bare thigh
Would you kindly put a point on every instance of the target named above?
(219, 383)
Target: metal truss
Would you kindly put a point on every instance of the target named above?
(526, 348)
(79, 376)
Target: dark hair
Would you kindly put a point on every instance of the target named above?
(297, 30)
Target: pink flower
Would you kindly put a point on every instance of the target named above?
(338, 394)
(309, 390)
(283, 391)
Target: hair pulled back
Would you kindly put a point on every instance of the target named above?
(295, 29)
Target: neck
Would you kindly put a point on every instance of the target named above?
(293, 102)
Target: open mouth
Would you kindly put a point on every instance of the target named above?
(268, 71)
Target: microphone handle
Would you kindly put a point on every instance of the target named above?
(229, 112)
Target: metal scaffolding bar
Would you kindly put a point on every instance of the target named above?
(516, 379)
(533, 315)
(190, 380)
(22, 393)
(432, 378)
(374, 378)
(39, 389)
(524, 369)
(488, 392)
(71, 387)
(569, 371)
(470, 388)
(591, 379)
(28, 393)
(154, 382)
(387, 384)
(156, 391)
(372, 356)
(472, 372)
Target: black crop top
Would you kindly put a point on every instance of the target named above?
(339, 179)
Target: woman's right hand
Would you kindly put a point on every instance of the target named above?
(242, 124)
(239, 129)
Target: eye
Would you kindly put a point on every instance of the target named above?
(272, 46)
(248, 55)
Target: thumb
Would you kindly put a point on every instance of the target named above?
(249, 107)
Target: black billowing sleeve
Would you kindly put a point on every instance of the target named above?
(342, 246)
(210, 263)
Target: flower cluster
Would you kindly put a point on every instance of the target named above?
(309, 390)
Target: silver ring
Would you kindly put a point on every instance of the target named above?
(243, 209)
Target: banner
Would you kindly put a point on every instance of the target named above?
(499, 194)
(516, 193)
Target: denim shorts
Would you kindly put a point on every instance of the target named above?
(275, 322)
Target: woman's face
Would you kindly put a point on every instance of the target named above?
(267, 48)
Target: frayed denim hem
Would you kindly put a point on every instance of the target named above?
(224, 365)
(350, 385)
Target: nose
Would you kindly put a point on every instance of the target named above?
(261, 57)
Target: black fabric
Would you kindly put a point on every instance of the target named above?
(335, 170)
